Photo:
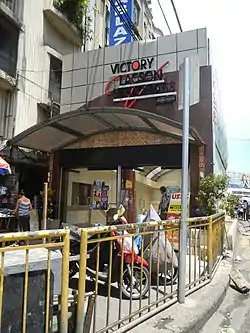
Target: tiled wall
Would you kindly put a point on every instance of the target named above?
(85, 74)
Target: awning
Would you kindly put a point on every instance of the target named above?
(62, 130)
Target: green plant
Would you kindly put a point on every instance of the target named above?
(78, 13)
(212, 190)
(229, 203)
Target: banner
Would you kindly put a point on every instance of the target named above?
(120, 14)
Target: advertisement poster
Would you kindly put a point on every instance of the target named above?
(174, 213)
(100, 195)
(239, 180)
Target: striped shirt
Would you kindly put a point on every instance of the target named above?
(24, 208)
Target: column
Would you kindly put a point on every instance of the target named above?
(128, 184)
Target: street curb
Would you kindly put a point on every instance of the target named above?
(197, 310)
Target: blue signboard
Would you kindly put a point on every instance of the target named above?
(120, 11)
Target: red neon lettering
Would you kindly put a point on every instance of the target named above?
(176, 196)
(129, 104)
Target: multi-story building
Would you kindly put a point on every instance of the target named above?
(101, 17)
(34, 35)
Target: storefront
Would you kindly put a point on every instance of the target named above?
(119, 110)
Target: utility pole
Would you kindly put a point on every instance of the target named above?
(184, 182)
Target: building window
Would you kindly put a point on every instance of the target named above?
(136, 13)
(55, 79)
(81, 194)
(102, 9)
(107, 26)
(145, 30)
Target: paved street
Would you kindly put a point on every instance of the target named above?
(233, 316)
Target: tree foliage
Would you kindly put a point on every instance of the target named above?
(78, 13)
(229, 204)
(212, 191)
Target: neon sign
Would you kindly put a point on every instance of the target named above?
(120, 11)
(139, 79)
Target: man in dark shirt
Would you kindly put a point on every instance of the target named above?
(39, 208)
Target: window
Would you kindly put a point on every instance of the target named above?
(81, 194)
(55, 79)
(107, 26)
(145, 30)
(136, 13)
(102, 9)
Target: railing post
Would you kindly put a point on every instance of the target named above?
(82, 282)
(65, 284)
(210, 245)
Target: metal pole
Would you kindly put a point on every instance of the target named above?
(118, 185)
(184, 184)
(45, 206)
(60, 197)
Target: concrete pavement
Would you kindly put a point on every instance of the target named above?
(233, 316)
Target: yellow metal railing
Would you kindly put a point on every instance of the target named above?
(126, 286)
(115, 311)
(29, 245)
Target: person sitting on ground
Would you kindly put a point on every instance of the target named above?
(22, 210)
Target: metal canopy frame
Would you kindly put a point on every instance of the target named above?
(61, 131)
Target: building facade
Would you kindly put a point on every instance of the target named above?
(35, 35)
(119, 106)
(31, 62)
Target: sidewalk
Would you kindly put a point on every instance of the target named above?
(233, 315)
(199, 306)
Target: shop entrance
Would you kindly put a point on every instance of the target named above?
(103, 177)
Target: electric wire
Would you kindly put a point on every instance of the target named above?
(132, 24)
(164, 16)
(176, 15)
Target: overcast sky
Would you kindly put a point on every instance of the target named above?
(228, 23)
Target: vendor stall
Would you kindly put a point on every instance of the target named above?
(8, 195)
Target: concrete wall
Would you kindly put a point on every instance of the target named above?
(86, 74)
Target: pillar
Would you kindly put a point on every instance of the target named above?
(128, 184)
(194, 174)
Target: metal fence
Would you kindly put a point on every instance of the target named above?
(30, 274)
(105, 264)
(116, 288)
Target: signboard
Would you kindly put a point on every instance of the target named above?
(120, 13)
(140, 79)
(174, 209)
(194, 70)
(174, 213)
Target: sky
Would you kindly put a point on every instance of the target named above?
(228, 25)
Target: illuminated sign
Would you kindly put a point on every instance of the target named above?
(139, 79)
(121, 12)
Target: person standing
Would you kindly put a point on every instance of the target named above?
(38, 200)
(164, 203)
(22, 210)
(245, 206)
